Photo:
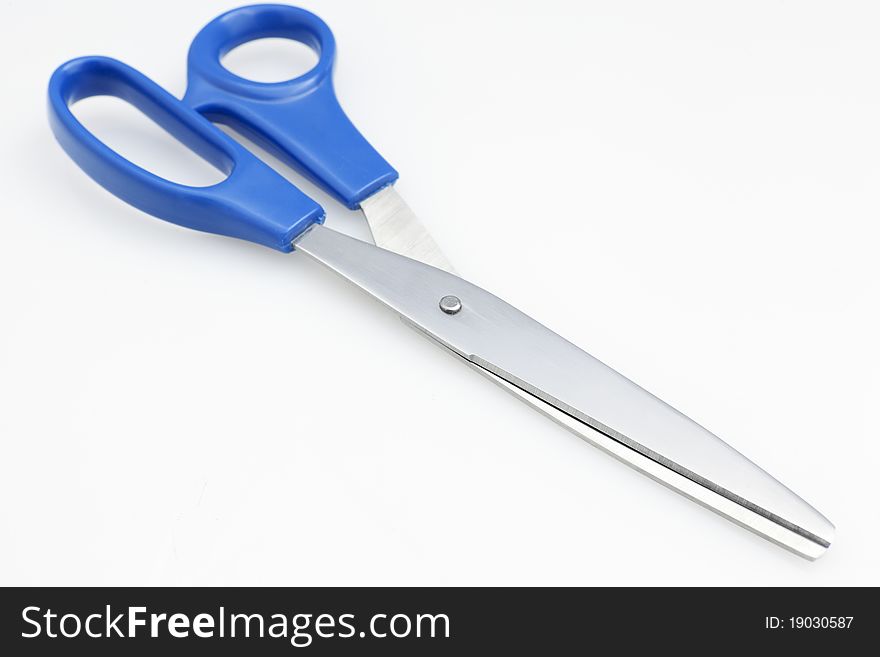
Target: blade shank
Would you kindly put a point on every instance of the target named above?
(395, 227)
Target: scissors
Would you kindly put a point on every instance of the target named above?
(301, 122)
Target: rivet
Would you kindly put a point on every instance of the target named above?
(450, 304)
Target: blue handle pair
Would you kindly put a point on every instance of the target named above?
(299, 120)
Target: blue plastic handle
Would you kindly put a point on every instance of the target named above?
(299, 120)
(253, 203)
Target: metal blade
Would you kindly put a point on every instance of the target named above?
(561, 380)
(395, 227)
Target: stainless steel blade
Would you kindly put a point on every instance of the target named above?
(705, 496)
(575, 389)
(395, 227)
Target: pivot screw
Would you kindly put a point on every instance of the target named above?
(450, 304)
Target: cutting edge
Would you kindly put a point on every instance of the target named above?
(749, 516)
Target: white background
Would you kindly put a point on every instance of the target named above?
(688, 190)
